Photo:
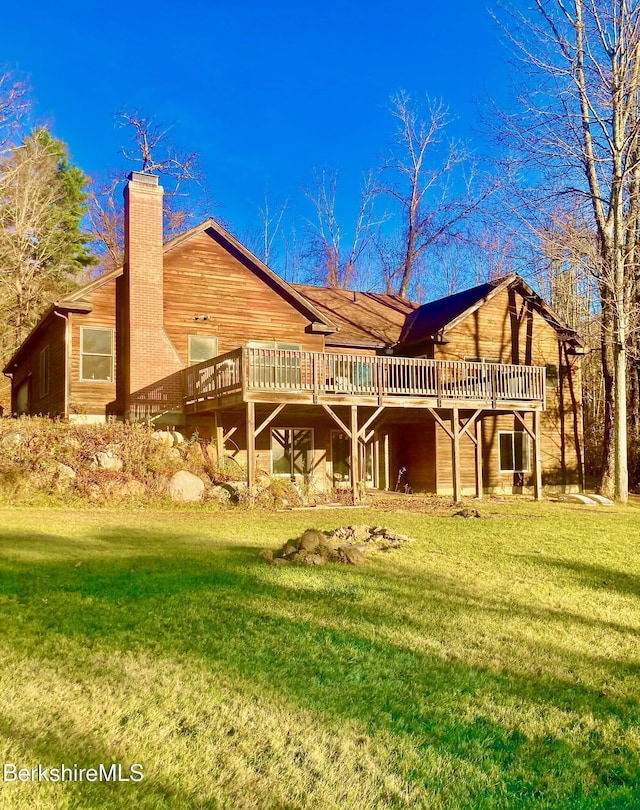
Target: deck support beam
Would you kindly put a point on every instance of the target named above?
(387, 464)
(455, 430)
(251, 448)
(455, 455)
(478, 438)
(355, 478)
(534, 435)
(269, 419)
(537, 461)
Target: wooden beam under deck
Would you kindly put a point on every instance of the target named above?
(205, 405)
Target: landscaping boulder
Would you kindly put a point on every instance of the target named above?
(107, 461)
(185, 487)
(163, 437)
(223, 493)
(132, 489)
(178, 438)
(64, 473)
(12, 440)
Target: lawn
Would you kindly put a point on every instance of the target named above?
(492, 663)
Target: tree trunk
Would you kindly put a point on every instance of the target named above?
(607, 474)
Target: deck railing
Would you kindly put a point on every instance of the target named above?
(328, 373)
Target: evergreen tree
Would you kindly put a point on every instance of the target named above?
(42, 248)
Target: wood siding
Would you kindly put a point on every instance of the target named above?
(508, 329)
(91, 398)
(202, 278)
(52, 334)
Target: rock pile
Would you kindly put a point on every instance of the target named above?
(346, 544)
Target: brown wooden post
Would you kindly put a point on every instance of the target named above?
(479, 481)
(251, 447)
(354, 454)
(455, 455)
(387, 465)
(376, 460)
(537, 463)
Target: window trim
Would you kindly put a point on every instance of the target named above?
(190, 361)
(109, 329)
(291, 474)
(45, 372)
(512, 433)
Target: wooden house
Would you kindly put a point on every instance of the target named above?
(477, 392)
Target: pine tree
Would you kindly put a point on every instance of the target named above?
(42, 247)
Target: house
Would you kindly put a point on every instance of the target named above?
(477, 392)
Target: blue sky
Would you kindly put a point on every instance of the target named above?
(264, 92)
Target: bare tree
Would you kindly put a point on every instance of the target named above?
(151, 151)
(580, 125)
(271, 222)
(337, 255)
(427, 182)
(14, 103)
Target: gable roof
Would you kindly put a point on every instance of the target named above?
(370, 320)
(318, 318)
(431, 321)
(79, 300)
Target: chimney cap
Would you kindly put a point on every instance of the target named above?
(143, 177)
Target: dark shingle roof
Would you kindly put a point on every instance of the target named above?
(431, 318)
(363, 319)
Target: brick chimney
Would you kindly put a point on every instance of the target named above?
(147, 355)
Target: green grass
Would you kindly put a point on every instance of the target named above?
(491, 664)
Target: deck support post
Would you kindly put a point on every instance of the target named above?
(219, 438)
(354, 454)
(537, 463)
(478, 442)
(455, 446)
(387, 465)
(251, 448)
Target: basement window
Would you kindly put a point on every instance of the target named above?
(96, 354)
(201, 348)
(514, 451)
(44, 372)
(291, 452)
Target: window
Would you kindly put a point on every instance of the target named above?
(201, 348)
(514, 451)
(291, 452)
(276, 369)
(482, 360)
(22, 397)
(44, 372)
(96, 354)
(274, 344)
(341, 459)
(552, 375)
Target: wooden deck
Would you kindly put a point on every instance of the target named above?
(325, 378)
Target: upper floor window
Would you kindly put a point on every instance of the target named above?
(201, 348)
(44, 372)
(274, 344)
(552, 375)
(96, 354)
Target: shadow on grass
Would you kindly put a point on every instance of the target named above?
(283, 631)
(597, 577)
(85, 752)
